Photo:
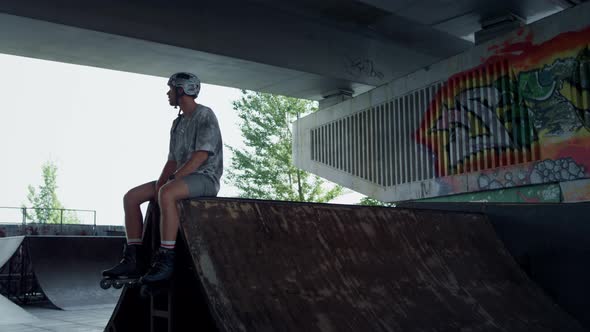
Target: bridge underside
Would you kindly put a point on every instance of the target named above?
(308, 49)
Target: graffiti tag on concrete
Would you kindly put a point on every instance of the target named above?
(364, 67)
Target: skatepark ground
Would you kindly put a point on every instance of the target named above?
(77, 319)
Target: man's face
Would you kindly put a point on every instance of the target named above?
(171, 96)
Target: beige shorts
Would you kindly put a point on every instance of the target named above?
(200, 185)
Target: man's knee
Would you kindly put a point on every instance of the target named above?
(133, 198)
(129, 199)
(165, 195)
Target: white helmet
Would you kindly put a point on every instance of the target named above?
(190, 83)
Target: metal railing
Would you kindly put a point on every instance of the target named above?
(27, 215)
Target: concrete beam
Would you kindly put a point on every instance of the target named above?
(243, 44)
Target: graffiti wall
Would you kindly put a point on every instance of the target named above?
(522, 117)
(511, 113)
(545, 193)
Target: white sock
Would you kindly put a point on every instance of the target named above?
(167, 244)
(133, 242)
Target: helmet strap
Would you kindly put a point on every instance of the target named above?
(178, 94)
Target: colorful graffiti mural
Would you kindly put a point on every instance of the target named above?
(575, 191)
(512, 113)
(526, 105)
(546, 193)
(545, 171)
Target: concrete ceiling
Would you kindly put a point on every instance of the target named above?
(304, 48)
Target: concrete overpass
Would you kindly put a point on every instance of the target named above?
(308, 49)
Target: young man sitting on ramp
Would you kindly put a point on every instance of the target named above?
(193, 169)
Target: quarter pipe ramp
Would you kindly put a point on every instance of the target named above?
(276, 266)
(11, 313)
(8, 246)
(67, 268)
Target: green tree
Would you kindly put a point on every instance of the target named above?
(46, 205)
(373, 202)
(264, 169)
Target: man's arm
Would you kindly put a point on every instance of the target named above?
(195, 161)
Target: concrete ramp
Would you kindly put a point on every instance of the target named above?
(13, 314)
(68, 268)
(8, 246)
(279, 266)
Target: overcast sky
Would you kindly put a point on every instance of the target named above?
(107, 131)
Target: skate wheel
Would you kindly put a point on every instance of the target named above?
(118, 285)
(106, 283)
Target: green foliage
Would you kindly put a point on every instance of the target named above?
(46, 205)
(373, 202)
(264, 169)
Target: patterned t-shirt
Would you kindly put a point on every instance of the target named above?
(198, 132)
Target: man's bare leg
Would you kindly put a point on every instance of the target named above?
(131, 204)
(163, 266)
(132, 265)
(169, 194)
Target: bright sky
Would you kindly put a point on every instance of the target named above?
(107, 131)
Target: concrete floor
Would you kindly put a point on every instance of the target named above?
(81, 319)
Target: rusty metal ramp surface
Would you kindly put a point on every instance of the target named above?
(278, 266)
(68, 268)
(549, 241)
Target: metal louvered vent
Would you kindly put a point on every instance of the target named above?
(474, 121)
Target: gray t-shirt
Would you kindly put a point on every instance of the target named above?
(198, 132)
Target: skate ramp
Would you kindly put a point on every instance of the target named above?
(8, 246)
(549, 242)
(293, 267)
(68, 268)
(279, 266)
(13, 314)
